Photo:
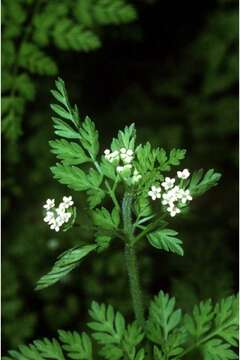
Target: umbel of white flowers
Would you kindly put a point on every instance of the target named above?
(123, 159)
(172, 195)
(57, 217)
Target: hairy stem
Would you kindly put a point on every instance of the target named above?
(135, 290)
(131, 261)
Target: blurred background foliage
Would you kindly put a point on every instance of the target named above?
(171, 69)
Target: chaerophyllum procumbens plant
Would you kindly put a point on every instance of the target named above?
(147, 188)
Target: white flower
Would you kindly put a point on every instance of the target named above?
(173, 210)
(111, 156)
(171, 196)
(136, 176)
(50, 203)
(129, 152)
(183, 174)
(49, 218)
(126, 169)
(107, 152)
(126, 155)
(58, 216)
(67, 216)
(155, 192)
(55, 226)
(120, 169)
(186, 196)
(67, 201)
(168, 183)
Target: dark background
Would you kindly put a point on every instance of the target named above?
(173, 71)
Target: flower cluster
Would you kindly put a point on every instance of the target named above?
(126, 155)
(123, 159)
(174, 195)
(56, 217)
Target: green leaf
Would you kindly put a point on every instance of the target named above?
(108, 169)
(165, 239)
(113, 12)
(49, 349)
(162, 315)
(106, 220)
(25, 352)
(69, 152)
(226, 319)
(215, 349)
(36, 61)
(200, 323)
(146, 157)
(64, 130)
(66, 262)
(68, 35)
(176, 155)
(59, 110)
(64, 110)
(77, 346)
(133, 336)
(95, 197)
(109, 327)
(199, 183)
(126, 138)
(71, 176)
(103, 242)
(89, 137)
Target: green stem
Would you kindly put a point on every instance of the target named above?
(131, 261)
(134, 283)
(112, 195)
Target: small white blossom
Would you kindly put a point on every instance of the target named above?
(67, 200)
(49, 217)
(155, 192)
(58, 216)
(111, 156)
(171, 196)
(50, 203)
(120, 169)
(183, 174)
(126, 155)
(129, 152)
(136, 176)
(124, 169)
(186, 196)
(168, 183)
(173, 210)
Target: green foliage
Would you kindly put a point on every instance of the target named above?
(110, 331)
(28, 30)
(170, 108)
(72, 176)
(89, 137)
(165, 239)
(200, 183)
(168, 336)
(69, 152)
(106, 220)
(94, 182)
(126, 138)
(77, 346)
(163, 327)
(66, 262)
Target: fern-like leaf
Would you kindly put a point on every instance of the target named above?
(66, 262)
